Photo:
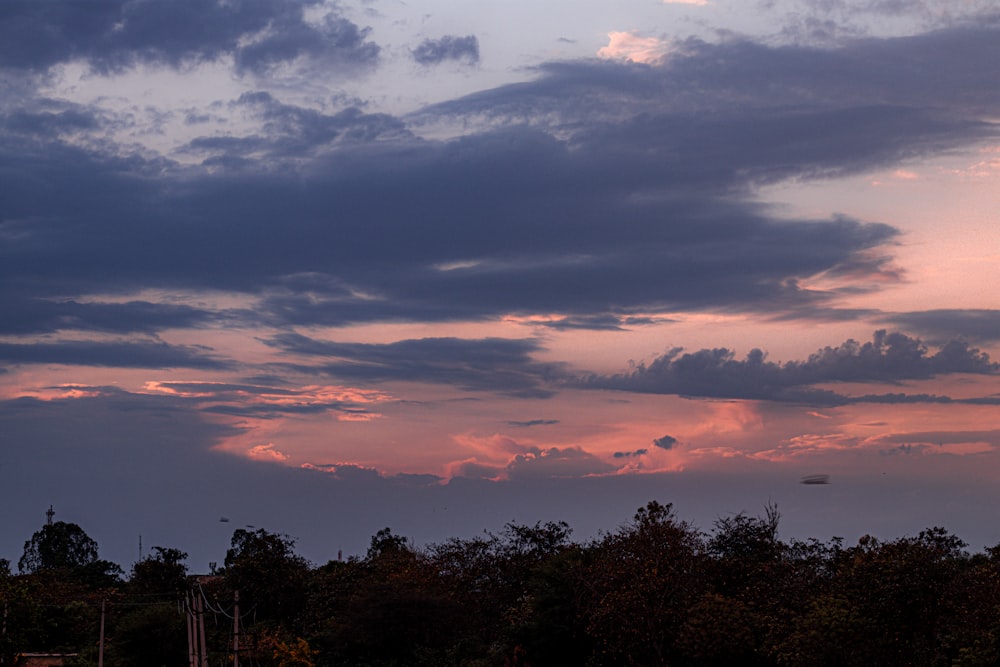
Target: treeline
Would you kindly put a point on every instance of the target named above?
(656, 591)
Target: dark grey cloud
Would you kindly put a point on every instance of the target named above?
(942, 324)
(602, 322)
(865, 83)
(449, 47)
(943, 438)
(533, 422)
(666, 442)
(815, 479)
(492, 364)
(33, 316)
(116, 34)
(294, 131)
(336, 41)
(717, 373)
(51, 120)
(904, 449)
(834, 21)
(633, 454)
(600, 192)
(115, 354)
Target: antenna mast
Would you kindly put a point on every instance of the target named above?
(49, 514)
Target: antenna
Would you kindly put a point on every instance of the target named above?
(49, 514)
(140, 548)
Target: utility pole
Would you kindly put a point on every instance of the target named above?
(236, 628)
(201, 631)
(189, 614)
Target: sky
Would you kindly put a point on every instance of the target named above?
(323, 268)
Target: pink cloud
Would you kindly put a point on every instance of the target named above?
(266, 453)
(555, 462)
(634, 48)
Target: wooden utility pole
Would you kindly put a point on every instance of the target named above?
(201, 631)
(236, 628)
(192, 639)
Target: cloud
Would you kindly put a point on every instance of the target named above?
(942, 438)
(974, 325)
(53, 119)
(476, 470)
(716, 373)
(666, 442)
(289, 130)
(631, 47)
(263, 401)
(797, 84)
(36, 316)
(635, 195)
(159, 445)
(266, 452)
(115, 354)
(838, 20)
(116, 34)
(633, 454)
(435, 51)
(555, 462)
(336, 41)
(533, 422)
(492, 364)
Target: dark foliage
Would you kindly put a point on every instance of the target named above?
(656, 591)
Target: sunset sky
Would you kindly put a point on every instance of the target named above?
(326, 267)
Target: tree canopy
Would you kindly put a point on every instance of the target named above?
(656, 591)
(58, 545)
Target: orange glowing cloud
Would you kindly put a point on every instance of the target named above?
(277, 396)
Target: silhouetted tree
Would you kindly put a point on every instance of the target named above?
(58, 546)
(396, 612)
(163, 573)
(744, 601)
(640, 586)
(271, 578)
(884, 605)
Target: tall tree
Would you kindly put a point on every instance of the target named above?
(269, 575)
(56, 546)
(640, 584)
(164, 573)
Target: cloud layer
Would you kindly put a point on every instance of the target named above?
(889, 358)
(114, 35)
(236, 238)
